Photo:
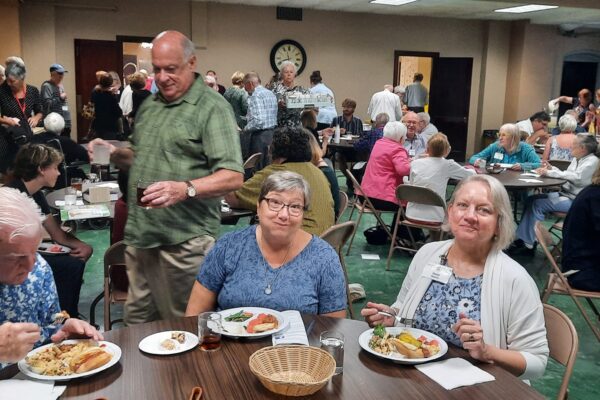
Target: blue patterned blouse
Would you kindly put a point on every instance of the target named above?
(312, 282)
(441, 304)
(35, 300)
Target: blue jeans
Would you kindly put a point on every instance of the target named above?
(535, 208)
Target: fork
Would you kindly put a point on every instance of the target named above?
(403, 321)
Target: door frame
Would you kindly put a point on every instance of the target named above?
(399, 53)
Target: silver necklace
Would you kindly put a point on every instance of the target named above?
(269, 288)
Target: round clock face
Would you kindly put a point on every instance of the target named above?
(288, 50)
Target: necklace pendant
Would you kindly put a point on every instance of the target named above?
(268, 290)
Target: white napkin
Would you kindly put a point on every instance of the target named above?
(61, 203)
(530, 174)
(370, 256)
(455, 372)
(530, 180)
(20, 387)
(295, 333)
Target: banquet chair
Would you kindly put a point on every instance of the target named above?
(420, 195)
(337, 236)
(343, 206)
(560, 164)
(557, 281)
(250, 165)
(563, 343)
(364, 207)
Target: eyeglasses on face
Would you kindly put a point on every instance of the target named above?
(275, 205)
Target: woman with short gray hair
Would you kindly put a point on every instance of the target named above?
(20, 103)
(485, 302)
(578, 175)
(275, 264)
(283, 89)
(559, 146)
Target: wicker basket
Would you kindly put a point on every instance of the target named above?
(292, 370)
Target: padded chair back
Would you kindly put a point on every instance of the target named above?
(343, 206)
(563, 343)
(560, 164)
(252, 161)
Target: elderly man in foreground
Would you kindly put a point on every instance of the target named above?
(186, 145)
(28, 298)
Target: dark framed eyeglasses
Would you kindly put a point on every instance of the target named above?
(275, 205)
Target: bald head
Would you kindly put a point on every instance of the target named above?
(174, 64)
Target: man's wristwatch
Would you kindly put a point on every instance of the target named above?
(191, 190)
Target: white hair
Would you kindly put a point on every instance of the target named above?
(54, 122)
(1, 70)
(399, 89)
(288, 64)
(423, 116)
(394, 130)
(19, 215)
(567, 123)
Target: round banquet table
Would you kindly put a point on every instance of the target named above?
(512, 180)
(225, 374)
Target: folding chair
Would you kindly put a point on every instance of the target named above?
(343, 206)
(251, 163)
(558, 283)
(364, 207)
(337, 236)
(560, 164)
(419, 195)
(563, 343)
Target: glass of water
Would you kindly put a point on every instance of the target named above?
(333, 343)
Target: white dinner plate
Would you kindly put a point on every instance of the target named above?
(46, 248)
(363, 341)
(237, 330)
(504, 165)
(151, 344)
(107, 346)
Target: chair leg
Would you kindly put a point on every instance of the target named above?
(587, 318)
(360, 213)
(93, 309)
(593, 306)
(548, 290)
(393, 244)
(106, 296)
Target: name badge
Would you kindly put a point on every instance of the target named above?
(65, 108)
(498, 156)
(411, 153)
(437, 272)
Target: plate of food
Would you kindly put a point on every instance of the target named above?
(168, 342)
(51, 249)
(403, 345)
(252, 322)
(69, 359)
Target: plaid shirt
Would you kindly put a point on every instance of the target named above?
(355, 126)
(189, 138)
(368, 138)
(262, 110)
(416, 146)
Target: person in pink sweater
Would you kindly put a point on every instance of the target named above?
(387, 167)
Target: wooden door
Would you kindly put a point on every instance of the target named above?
(92, 56)
(449, 99)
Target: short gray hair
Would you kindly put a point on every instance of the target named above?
(567, 123)
(16, 70)
(14, 60)
(54, 122)
(285, 181)
(19, 215)
(588, 142)
(382, 119)
(423, 116)
(513, 131)
(394, 130)
(288, 64)
(399, 89)
(501, 203)
(252, 77)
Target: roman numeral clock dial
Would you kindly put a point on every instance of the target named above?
(288, 50)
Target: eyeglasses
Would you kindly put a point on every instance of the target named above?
(275, 205)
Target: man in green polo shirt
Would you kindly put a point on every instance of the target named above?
(186, 142)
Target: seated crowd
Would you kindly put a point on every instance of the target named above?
(188, 140)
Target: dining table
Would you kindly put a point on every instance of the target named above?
(225, 373)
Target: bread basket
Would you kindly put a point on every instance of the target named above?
(292, 370)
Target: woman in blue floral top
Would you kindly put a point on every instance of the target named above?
(489, 305)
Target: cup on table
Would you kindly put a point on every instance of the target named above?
(101, 154)
(77, 184)
(141, 186)
(209, 331)
(70, 196)
(333, 343)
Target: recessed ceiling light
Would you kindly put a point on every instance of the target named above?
(392, 2)
(525, 9)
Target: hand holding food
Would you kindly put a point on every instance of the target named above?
(76, 328)
(370, 312)
(17, 339)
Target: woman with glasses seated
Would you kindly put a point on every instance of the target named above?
(274, 264)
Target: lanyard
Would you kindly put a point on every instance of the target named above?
(23, 105)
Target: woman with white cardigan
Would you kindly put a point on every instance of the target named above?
(482, 300)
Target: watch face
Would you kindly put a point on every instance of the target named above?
(288, 50)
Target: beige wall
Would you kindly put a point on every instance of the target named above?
(354, 52)
(10, 45)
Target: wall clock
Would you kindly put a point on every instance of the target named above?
(285, 50)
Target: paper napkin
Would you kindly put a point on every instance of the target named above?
(294, 333)
(20, 387)
(455, 372)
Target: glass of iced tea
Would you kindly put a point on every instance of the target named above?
(141, 186)
(209, 331)
(77, 184)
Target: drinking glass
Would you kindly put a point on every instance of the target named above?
(333, 343)
(77, 184)
(209, 331)
(141, 186)
(101, 154)
(70, 196)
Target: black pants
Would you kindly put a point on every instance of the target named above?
(68, 276)
(417, 109)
